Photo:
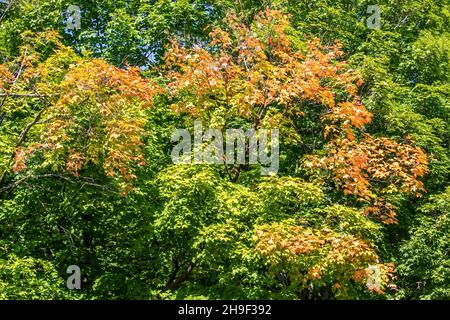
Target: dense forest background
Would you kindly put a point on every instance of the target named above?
(359, 208)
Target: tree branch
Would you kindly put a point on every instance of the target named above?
(8, 7)
(25, 131)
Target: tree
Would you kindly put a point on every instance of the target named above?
(260, 75)
(87, 112)
(28, 279)
(357, 210)
(424, 269)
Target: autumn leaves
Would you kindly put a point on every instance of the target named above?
(92, 112)
(257, 73)
(93, 115)
(85, 114)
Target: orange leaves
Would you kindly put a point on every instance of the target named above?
(6, 77)
(315, 273)
(384, 210)
(320, 255)
(255, 72)
(328, 99)
(103, 104)
(95, 76)
(401, 164)
(373, 167)
(93, 112)
(252, 67)
(19, 160)
(220, 37)
(74, 162)
(350, 115)
(95, 116)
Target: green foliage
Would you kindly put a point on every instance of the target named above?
(425, 257)
(165, 231)
(28, 279)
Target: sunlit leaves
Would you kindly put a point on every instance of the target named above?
(249, 69)
(93, 113)
(28, 279)
(256, 68)
(318, 257)
(375, 167)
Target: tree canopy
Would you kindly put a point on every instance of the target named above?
(358, 208)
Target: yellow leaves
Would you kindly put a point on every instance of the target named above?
(95, 116)
(97, 77)
(220, 37)
(317, 255)
(328, 98)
